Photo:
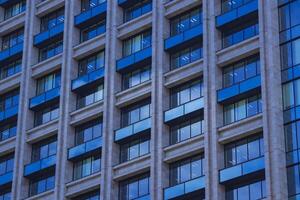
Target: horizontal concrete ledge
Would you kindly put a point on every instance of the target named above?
(83, 185)
(10, 83)
(238, 51)
(135, 26)
(46, 66)
(176, 7)
(48, 195)
(89, 47)
(241, 129)
(183, 74)
(7, 146)
(43, 131)
(184, 149)
(12, 23)
(87, 113)
(133, 94)
(132, 167)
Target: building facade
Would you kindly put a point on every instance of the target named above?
(149, 99)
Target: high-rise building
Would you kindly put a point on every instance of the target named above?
(149, 99)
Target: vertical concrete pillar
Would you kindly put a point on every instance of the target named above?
(276, 180)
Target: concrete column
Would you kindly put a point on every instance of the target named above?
(25, 118)
(65, 104)
(276, 180)
(159, 100)
(109, 188)
(211, 80)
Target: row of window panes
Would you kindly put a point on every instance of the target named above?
(242, 109)
(10, 69)
(50, 50)
(186, 130)
(134, 114)
(186, 56)
(88, 132)
(243, 150)
(51, 20)
(93, 31)
(186, 170)
(41, 185)
(48, 82)
(9, 100)
(5, 196)
(289, 15)
(94, 195)
(290, 56)
(137, 10)
(136, 77)
(91, 96)
(46, 115)
(44, 149)
(12, 39)
(241, 71)
(91, 63)
(186, 21)
(15, 9)
(291, 94)
(292, 136)
(8, 131)
(135, 188)
(87, 167)
(252, 191)
(186, 93)
(89, 4)
(134, 149)
(136, 43)
(237, 36)
(228, 5)
(6, 164)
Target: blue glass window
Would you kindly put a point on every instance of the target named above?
(290, 54)
(241, 71)
(134, 149)
(87, 166)
(8, 131)
(50, 50)
(228, 5)
(186, 56)
(186, 93)
(186, 130)
(136, 77)
(9, 100)
(10, 69)
(88, 131)
(137, 10)
(94, 195)
(51, 20)
(93, 31)
(48, 82)
(44, 149)
(243, 150)
(90, 96)
(12, 39)
(46, 115)
(242, 109)
(255, 190)
(6, 164)
(239, 34)
(186, 21)
(91, 63)
(135, 187)
(289, 15)
(88, 4)
(133, 114)
(41, 184)
(291, 94)
(5, 195)
(14, 10)
(186, 170)
(136, 43)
